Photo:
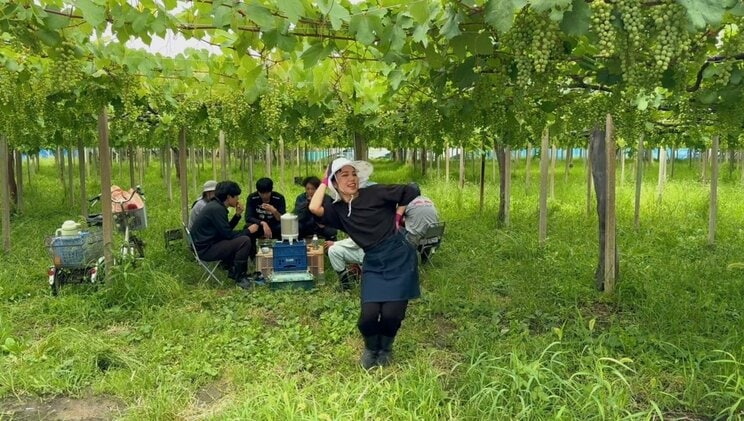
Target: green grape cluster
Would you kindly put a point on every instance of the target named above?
(7, 87)
(544, 39)
(271, 111)
(534, 41)
(673, 39)
(66, 70)
(633, 20)
(602, 24)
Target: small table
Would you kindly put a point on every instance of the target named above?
(315, 261)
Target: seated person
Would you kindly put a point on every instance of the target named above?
(419, 215)
(265, 208)
(342, 254)
(308, 225)
(206, 196)
(213, 235)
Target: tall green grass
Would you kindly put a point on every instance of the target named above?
(504, 330)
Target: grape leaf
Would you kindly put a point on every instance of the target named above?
(315, 53)
(703, 12)
(541, 6)
(50, 38)
(292, 9)
(483, 44)
(576, 21)
(261, 16)
(93, 13)
(55, 22)
(139, 24)
(361, 26)
(419, 10)
(421, 34)
(276, 39)
(335, 12)
(451, 27)
(500, 13)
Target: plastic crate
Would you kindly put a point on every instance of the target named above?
(290, 257)
(281, 280)
(76, 251)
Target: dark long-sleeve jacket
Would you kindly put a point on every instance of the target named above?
(212, 226)
(369, 218)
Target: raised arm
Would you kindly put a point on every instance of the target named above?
(316, 203)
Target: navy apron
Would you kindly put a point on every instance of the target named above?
(390, 271)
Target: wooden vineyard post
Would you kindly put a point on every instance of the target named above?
(251, 175)
(140, 166)
(461, 181)
(610, 244)
(507, 185)
(638, 182)
(130, 156)
(184, 180)
(19, 180)
(713, 192)
(223, 156)
(553, 160)
(282, 163)
(602, 154)
(527, 164)
(543, 222)
(482, 182)
(588, 163)
(662, 173)
(268, 160)
(105, 155)
(446, 162)
(5, 191)
(169, 172)
(83, 189)
(214, 164)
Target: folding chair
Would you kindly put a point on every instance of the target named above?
(430, 241)
(209, 267)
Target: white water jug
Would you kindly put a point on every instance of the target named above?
(69, 229)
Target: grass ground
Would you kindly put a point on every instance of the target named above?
(505, 329)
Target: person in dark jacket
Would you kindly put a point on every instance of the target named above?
(265, 208)
(308, 226)
(371, 217)
(214, 237)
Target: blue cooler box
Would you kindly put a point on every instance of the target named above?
(290, 257)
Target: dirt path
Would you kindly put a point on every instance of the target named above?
(91, 408)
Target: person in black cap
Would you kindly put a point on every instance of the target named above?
(265, 208)
(372, 217)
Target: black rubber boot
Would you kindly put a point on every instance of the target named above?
(238, 273)
(345, 280)
(385, 356)
(370, 352)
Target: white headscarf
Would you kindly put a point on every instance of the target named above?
(363, 169)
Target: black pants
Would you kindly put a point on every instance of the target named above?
(229, 251)
(382, 318)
